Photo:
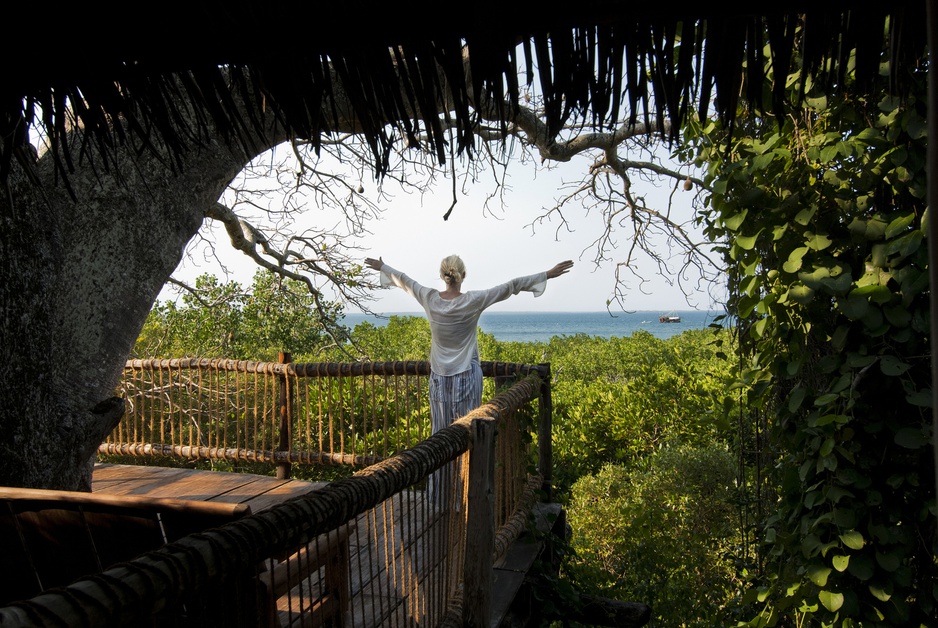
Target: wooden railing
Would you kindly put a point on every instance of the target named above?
(443, 578)
(285, 413)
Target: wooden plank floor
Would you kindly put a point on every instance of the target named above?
(400, 554)
(257, 491)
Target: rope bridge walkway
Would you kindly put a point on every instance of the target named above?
(409, 539)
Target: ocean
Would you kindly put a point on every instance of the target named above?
(542, 326)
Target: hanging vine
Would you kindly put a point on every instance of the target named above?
(824, 220)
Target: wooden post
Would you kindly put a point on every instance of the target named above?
(545, 425)
(285, 405)
(504, 380)
(478, 574)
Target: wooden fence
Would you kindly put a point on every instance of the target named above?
(284, 413)
(443, 577)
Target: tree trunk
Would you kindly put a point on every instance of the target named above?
(77, 279)
(79, 274)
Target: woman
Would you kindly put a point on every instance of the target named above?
(455, 372)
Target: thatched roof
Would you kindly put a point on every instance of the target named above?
(605, 57)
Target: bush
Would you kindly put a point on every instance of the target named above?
(659, 533)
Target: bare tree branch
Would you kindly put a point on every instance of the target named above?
(617, 178)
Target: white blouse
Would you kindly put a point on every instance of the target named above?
(454, 322)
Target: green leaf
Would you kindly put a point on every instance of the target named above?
(795, 399)
(800, 294)
(747, 243)
(734, 222)
(804, 216)
(759, 327)
(831, 600)
(911, 438)
(793, 264)
(899, 225)
(898, 316)
(762, 162)
(893, 366)
(833, 279)
(889, 562)
(752, 195)
(818, 242)
(869, 135)
(898, 156)
(825, 400)
(880, 593)
(921, 398)
(841, 562)
(839, 338)
(916, 127)
(817, 102)
(854, 307)
(818, 574)
(873, 292)
(861, 567)
(852, 539)
(828, 153)
(857, 361)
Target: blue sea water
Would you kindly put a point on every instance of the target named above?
(541, 326)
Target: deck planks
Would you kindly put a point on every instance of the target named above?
(399, 553)
(257, 491)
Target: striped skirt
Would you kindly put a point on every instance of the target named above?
(454, 396)
(451, 397)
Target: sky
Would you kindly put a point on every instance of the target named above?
(496, 244)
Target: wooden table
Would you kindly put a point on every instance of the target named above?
(258, 491)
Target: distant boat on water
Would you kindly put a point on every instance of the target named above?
(668, 318)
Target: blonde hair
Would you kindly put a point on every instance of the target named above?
(452, 270)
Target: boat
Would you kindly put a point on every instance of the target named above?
(668, 318)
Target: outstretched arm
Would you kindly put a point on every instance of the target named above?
(560, 269)
(393, 277)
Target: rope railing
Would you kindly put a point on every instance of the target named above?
(211, 577)
(278, 413)
(411, 560)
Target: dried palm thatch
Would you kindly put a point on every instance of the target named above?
(124, 77)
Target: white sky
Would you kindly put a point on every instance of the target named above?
(496, 244)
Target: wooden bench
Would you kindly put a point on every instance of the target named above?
(50, 538)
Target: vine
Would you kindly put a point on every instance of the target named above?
(824, 222)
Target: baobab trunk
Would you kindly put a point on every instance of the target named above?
(79, 273)
(77, 279)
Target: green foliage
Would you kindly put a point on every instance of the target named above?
(223, 320)
(402, 338)
(654, 407)
(823, 225)
(641, 394)
(615, 399)
(659, 531)
(640, 444)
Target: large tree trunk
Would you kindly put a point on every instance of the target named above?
(78, 275)
(77, 279)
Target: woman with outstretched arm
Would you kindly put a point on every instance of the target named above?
(455, 372)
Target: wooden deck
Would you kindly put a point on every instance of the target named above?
(398, 554)
(399, 572)
(258, 492)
